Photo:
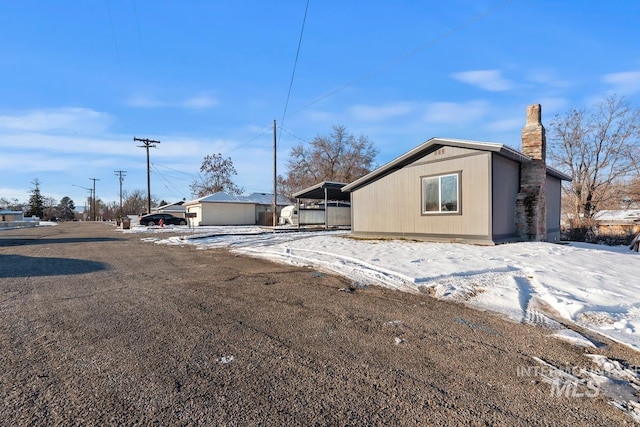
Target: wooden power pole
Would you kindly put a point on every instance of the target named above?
(94, 198)
(147, 143)
(121, 175)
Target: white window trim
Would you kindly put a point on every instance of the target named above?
(440, 211)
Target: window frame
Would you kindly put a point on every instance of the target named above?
(439, 176)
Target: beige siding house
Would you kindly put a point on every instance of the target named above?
(228, 209)
(466, 191)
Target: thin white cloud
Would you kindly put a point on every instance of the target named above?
(452, 112)
(12, 193)
(377, 113)
(547, 78)
(624, 82)
(490, 80)
(552, 105)
(145, 102)
(74, 120)
(111, 145)
(31, 154)
(322, 116)
(505, 125)
(197, 102)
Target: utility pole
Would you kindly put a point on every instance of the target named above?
(146, 144)
(85, 200)
(94, 197)
(275, 175)
(121, 175)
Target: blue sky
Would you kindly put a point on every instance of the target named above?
(80, 80)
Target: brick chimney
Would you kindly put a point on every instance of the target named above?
(531, 203)
(534, 143)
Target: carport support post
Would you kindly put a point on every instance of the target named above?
(275, 177)
(298, 210)
(326, 210)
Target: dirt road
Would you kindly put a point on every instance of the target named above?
(100, 328)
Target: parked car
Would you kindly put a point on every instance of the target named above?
(154, 219)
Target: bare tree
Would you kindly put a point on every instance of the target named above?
(632, 194)
(135, 201)
(49, 208)
(218, 172)
(598, 148)
(11, 204)
(338, 157)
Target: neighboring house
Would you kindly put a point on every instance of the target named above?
(175, 209)
(465, 191)
(15, 219)
(618, 222)
(6, 215)
(228, 209)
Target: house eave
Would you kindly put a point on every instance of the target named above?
(434, 144)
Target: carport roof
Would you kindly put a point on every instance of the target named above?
(317, 192)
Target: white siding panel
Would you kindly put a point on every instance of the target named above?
(228, 214)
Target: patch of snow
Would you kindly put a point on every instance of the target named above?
(593, 286)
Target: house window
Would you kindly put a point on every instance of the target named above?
(440, 194)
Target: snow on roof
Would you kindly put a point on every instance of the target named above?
(618, 215)
(177, 207)
(255, 198)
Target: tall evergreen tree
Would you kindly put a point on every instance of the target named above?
(36, 200)
(66, 209)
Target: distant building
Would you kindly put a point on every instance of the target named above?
(15, 219)
(617, 222)
(229, 209)
(175, 209)
(6, 216)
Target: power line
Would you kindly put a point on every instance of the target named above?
(135, 13)
(295, 64)
(113, 33)
(387, 64)
(262, 132)
(173, 169)
(293, 134)
(167, 182)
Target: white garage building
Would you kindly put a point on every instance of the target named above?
(228, 209)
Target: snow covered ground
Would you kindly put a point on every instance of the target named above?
(596, 287)
(554, 285)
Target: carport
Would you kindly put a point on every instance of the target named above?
(330, 216)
